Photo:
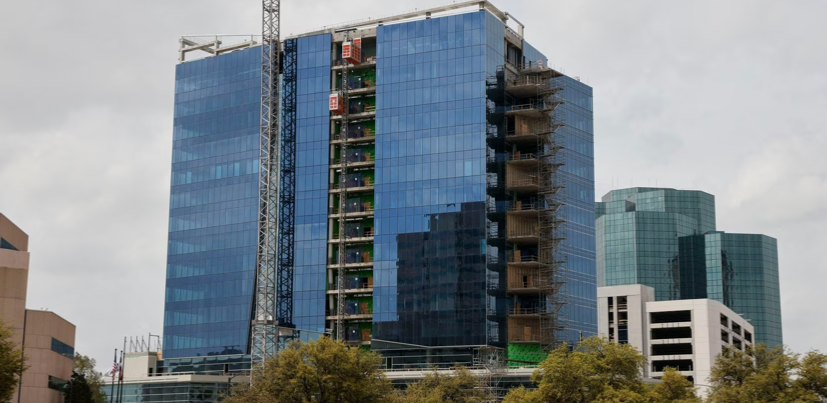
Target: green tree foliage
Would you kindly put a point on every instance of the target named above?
(599, 371)
(324, 371)
(12, 363)
(459, 387)
(761, 374)
(813, 374)
(594, 369)
(673, 388)
(85, 366)
(78, 390)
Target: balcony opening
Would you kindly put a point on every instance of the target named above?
(672, 333)
(679, 365)
(670, 317)
(672, 349)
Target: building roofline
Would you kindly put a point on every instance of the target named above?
(52, 313)
(427, 13)
(217, 44)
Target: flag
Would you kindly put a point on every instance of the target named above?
(115, 366)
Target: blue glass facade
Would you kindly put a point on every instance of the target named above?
(579, 314)
(312, 161)
(425, 263)
(211, 256)
(429, 267)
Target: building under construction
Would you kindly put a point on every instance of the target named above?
(434, 194)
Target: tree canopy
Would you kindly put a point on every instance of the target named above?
(85, 366)
(459, 387)
(595, 371)
(324, 371)
(761, 374)
(78, 390)
(12, 363)
(599, 371)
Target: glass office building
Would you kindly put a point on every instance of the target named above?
(443, 196)
(666, 239)
(213, 223)
(740, 271)
(637, 235)
(411, 218)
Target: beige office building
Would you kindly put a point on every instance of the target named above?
(47, 339)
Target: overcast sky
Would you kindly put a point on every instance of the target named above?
(729, 97)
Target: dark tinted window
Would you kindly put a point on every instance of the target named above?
(4, 244)
(63, 348)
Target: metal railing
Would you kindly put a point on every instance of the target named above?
(363, 158)
(512, 258)
(522, 157)
(361, 260)
(359, 209)
(364, 184)
(516, 182)
(368, 233)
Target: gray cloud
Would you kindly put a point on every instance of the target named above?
(726, 97)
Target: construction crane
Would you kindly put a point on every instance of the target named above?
(272, 309)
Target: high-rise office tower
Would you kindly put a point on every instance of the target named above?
(443, 194)
(667, 239)
(214, 205)
(637, 235)
(739, 270)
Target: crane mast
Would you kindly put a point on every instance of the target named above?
(265, 323)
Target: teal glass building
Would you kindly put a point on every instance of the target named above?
(667, 239)
(739, 270)
(638, 231)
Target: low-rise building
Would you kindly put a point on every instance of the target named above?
(687, 335)
(47, 339)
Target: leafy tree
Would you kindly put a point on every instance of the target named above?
(761, 374)
(620, 396)
(436, 387)
(813, 374)
(78, 390)
(522, 395)
(324, 371)
(597, 370)
(85, 366)
(673, 388)
(12, 363)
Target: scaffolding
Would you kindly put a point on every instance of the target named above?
(524, 147)
(340, 296)
(351, 220)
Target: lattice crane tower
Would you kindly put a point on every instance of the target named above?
(272, 309)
